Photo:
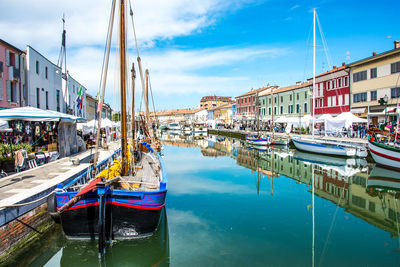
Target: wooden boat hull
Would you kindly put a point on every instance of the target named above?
(128, 215)
(280, 142)
(385, 155)
(310, 145)
(258, 141)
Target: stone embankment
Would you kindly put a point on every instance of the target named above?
(23, 195)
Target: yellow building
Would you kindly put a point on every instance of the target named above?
(222, 113)
(374, 78)
(208, 102)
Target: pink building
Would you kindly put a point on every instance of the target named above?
(10, 75)
(332, 91)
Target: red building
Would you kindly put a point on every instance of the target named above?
(332, 91)
(10, 73)
(247, 102)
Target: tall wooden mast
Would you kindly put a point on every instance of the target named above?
(122, 42)
(148, 126)
(133, 100)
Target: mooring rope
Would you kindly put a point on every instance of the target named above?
(27, 203)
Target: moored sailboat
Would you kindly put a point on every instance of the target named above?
(385, 154)
(123, 196)
(323, 146)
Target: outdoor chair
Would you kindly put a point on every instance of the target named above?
(21, 157)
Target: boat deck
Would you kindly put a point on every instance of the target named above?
(146, 176)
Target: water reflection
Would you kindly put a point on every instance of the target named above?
(369, 192)
(152, 251)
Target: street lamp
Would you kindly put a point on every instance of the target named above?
(385, 98)
(383, 101)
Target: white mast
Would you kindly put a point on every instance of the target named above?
(313, 88)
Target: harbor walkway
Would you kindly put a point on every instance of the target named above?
(33, 185)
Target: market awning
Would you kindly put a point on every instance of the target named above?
(34, 114)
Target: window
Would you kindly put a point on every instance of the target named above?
(269, 100)
(360, 97)
(340, 100)
(275, 110)
(305, 108)
(1, 67)
(275, 100)
(373, 73)
(37, 97)
(290, 109)
(346, 81)
(360, 76)
(281, 109)
(37, 67)
(346, 99)
(298, 95)
(297, 108)
(333, 101)
(339, 82)
(305, 94)
(373, 95)
(47, 100)
(269, 111)
(290, 97)
(46, 70)
(58, 99)
(395, 92)
(329, 101)
(281, 99)
(395, 67)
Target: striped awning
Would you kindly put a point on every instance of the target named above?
(34, 114)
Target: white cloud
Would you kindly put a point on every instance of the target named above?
(173, 71)
(294, 7)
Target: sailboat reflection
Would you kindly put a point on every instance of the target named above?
(152, 251)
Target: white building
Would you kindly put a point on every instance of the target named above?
(43, 82)
(71, 98)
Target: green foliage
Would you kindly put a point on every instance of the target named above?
(6, 148)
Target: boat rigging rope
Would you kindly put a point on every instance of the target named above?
(27, 203)
(104, 79)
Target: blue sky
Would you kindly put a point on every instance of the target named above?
(208, 47)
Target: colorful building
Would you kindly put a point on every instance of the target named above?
(374, 78)
(290, 101)
(12, 79)
(44, 80)
(246, 104)
(332, 91)
(208, 102)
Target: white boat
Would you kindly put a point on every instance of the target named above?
(329, 147)
(174, 126)
(322, 146)
(200, 128)
(257, 140)
(385, 154)
(280, 142)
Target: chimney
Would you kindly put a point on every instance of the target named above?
(343, 64)
(298, 83)
(334, 67)
(373, 54)
(396, 44)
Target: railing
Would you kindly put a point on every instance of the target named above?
(85, 175)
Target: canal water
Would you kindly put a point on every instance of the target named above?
(230, 205)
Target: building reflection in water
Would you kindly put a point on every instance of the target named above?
(368, 192)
